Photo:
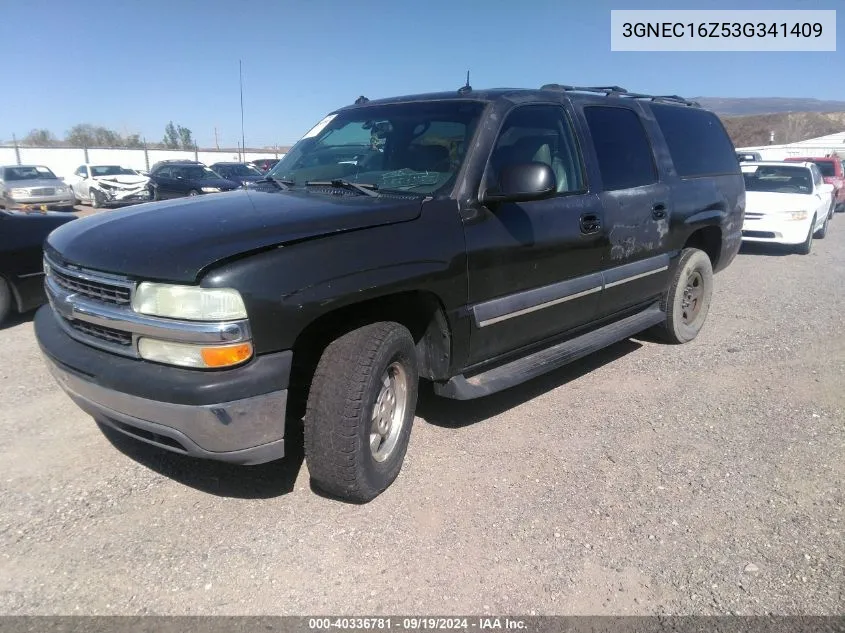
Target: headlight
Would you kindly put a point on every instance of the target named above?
(188, 302)
(187, 355)
(796, 215)
(62, 190)
(18, 192)
(210, 189)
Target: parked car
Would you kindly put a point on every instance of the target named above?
(242, 173)
(748, 157)
(833, 172)
(264, 164)
(108, 185)
(21, 272)
(178, 178)
(33, 187)
(480, 239)
(786, 203)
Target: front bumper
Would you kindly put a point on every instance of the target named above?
(235, 415)
(49, 203)
(775, 230)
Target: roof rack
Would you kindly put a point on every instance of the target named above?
(616, 91)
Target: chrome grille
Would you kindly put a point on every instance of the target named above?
(101, 291)
(103, 333)
(42, 191)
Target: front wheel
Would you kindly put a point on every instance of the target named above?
(193, 192)
(360, 411)
(807, 245)
(96, 199)
(687, 301)
(822, 232)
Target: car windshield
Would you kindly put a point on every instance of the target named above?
(111, 170)
(27, 173)
(239, 170)
(415, 147)
(826, 167)
(779, 179)
(197, 173)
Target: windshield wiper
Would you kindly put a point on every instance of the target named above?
(364, 188)
(281, 183)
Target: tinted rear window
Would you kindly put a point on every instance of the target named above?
(697, 142)
(826, 167)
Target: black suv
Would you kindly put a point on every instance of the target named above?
(179, 178)
(473, 239)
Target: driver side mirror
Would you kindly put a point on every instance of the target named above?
(522, 183)
(826, 188)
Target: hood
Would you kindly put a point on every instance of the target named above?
(123, 179)
(35, 182)
(175, 240)
(765, 202)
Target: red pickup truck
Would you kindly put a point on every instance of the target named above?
(833, 172)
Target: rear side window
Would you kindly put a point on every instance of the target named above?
(622, 147)
(697, 142)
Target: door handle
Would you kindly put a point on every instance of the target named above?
(590, 223)
(658, 211)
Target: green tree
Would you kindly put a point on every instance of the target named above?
(185, 137)
(133, 141)
(81, 135)
(39, 138)
(171, 136)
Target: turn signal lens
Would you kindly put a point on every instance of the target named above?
(227, 355)
(198, 356)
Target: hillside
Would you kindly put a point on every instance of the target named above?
(767, 105)
(749, 131)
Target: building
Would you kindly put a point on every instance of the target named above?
(821, 146)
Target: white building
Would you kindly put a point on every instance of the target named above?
(821, 146)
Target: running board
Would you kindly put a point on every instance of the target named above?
(522, 369)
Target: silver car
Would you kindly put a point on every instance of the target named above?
(33, 187)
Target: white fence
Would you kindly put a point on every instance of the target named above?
(64, 160)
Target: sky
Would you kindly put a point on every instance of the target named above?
(134, 65)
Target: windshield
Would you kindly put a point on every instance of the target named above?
(405, 147)
(238, 170)
(27, 173)
(195, 173)
(779, 180)
(111, 170)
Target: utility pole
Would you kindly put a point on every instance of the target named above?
(243, 139)
(216, 142)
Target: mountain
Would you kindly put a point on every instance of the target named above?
(788, 127)
(767, 105)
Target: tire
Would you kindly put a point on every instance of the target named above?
(822, 232)
(692, 280)
(96, 200)
(193, 192)
(807, 245)
(154, 195)
(5, 300)
(353, 453)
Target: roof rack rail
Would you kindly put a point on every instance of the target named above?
(617, 91)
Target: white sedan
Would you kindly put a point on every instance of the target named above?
(105, 185)
(786, 203)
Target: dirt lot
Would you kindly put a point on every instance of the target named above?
(706, 478)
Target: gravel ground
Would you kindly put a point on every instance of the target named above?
(700, 479)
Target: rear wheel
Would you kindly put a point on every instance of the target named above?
(687, 300)
(5, 300)
(807, 245)
(193, 192)
(360, 411)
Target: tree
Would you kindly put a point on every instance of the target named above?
(133, 141)
(185, 137)
(171, 136)
(81, 135)
(39, 138)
